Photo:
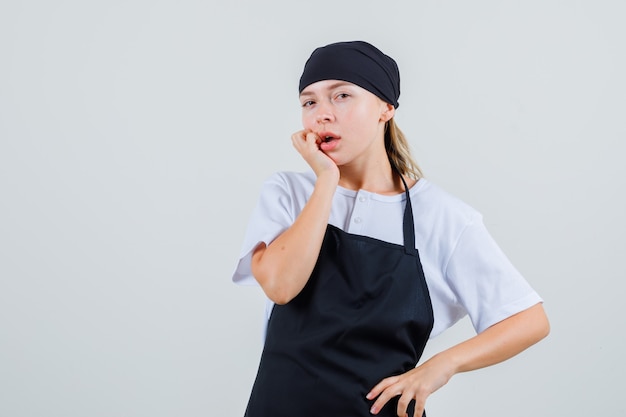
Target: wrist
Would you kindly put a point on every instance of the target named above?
(448, 363)
(328, 176)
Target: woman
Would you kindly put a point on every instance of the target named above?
(364, 260)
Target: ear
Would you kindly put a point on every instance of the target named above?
(388, 112)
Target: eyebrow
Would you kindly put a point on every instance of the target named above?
(330, 87)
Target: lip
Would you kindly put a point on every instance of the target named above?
(329, 140)
(328, 136)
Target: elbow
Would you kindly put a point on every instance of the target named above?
(275, 288)
(527, 327)
(276, 285)
(271, 278)
(277, 293)
(544, 329)
(280, 299)
(540, 324)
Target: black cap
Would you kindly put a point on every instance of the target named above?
(357, 62)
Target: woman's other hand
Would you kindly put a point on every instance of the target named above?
(416, 384)
(499, 342)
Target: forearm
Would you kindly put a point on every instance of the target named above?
(284, 266)
(500, 342)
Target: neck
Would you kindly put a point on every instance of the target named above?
(378, 178)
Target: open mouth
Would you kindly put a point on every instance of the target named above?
(327, 136)
(328, 141)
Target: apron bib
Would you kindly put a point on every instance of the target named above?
(364, 315)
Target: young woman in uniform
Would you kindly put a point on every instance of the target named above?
(364, 260)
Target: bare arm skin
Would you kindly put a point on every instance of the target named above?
(501, 341)
(284, 266)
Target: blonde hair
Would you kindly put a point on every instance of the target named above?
(398, 151)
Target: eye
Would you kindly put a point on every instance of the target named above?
(308, 103)
(342, 96)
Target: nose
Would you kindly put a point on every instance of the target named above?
(324, 114)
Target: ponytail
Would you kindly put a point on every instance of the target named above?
(399, 153)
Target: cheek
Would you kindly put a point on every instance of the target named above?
(367, 117)
(307, 121)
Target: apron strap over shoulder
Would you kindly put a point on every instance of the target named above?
(408, 227)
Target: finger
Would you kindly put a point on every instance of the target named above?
(403, 404)
(300, 134)
(384, 398)
(297, 138)
(419, 411)
(420, 404)
(313, 138)
(303, 144)
(381, 386)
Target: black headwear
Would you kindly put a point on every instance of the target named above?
(357, 62)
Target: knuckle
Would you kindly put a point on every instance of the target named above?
(403, 403)
(391, 379)
(421, 392)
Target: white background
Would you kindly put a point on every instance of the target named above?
(134, 136)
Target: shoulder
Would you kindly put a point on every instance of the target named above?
(441, 207)
(290, 181)
(286, 191)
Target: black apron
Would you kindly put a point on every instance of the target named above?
(364, 315)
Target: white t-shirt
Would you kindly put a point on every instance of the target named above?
(465, 270)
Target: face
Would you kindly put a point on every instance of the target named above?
(349, 120)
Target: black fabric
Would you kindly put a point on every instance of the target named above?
(357, 62)
(365, 314)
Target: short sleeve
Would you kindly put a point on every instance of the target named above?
(483, 279)
(272, 215)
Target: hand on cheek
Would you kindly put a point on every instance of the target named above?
(307, 143)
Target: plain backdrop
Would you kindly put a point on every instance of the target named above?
(135, 135)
